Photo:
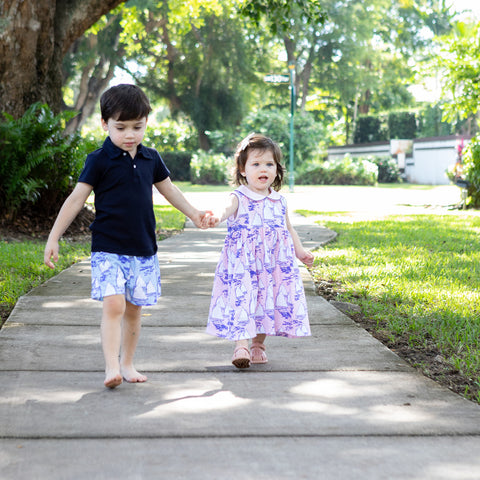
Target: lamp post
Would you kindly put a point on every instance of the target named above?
(291, 69)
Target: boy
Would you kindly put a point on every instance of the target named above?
(125, 269)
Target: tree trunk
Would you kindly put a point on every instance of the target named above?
(203, 140)
(34, 37)
(85, 106)
(172, 55)
(95, 78)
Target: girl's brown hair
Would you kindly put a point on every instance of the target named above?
(256, 141)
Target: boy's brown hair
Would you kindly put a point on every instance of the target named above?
(124, 102)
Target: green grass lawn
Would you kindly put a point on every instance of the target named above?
(417, 276)
(22, 268)
(168, 218)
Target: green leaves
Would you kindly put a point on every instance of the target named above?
(279, 13)
(460, 62)
(209, 169)
(39, 163)
(471, 170)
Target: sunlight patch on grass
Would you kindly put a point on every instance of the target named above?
(168, 218)
(22, 268)
(417, 275)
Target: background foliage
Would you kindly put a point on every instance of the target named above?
(203, 66)
(40, 165)
(471, 171)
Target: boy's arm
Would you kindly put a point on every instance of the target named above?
(305, 256)
(70, 209)
(176, 198)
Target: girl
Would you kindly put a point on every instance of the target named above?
(257, 289)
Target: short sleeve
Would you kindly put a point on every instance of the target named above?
(161, 171)
(91, 172)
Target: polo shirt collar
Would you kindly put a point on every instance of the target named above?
(274, 195)
(113, 151)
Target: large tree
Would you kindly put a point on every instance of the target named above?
(34, 37)
(200, 60)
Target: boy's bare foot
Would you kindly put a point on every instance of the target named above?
(113, 379)
(131, 375)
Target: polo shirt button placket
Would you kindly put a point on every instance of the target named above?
(134, 167)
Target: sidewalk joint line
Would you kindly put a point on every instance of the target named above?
(226, 436)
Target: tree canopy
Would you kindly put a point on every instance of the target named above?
(207, 59)
(203, 64)
(459, 63)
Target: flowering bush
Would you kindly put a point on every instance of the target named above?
(341, 171)
(388, 171)
(471, 171)
(209, 169)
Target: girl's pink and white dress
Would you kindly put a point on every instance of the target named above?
(257, 286)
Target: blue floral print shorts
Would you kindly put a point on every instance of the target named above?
(138, 278)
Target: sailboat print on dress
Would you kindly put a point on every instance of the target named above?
(269, 213)
(269, 304)
(257, 286)
(238, 270)
(218, 309)
(257, 220)
(282, 298)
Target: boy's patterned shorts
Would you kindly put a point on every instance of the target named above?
(138, 278)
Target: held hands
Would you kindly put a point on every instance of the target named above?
(209, 220)
(205, 219)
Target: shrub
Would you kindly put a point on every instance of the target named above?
(209, 169)
(370, 129)
(431, 123)
(341, 171)
(388, 171)
(40, 165)
(402, 125)
(376, 128)
(171, 136)
(471, 170)
(179, 165)
(275, 123)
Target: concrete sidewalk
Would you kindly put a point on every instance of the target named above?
(337, 405)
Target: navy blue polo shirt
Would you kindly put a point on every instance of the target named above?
(124, 220)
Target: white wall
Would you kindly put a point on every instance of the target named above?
(381, 149)
(430, 159)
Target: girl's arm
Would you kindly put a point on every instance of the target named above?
(305, 256)
(70, 209)
(176, 198)
(230, 209)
